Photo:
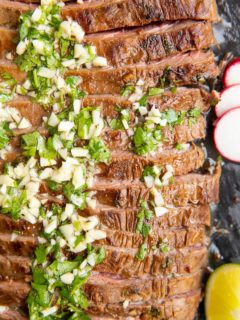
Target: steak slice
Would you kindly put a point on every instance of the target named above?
(180, 307)
(152, 43)
(182, 69)
(100, 15)
(111, 14)
(178, 238)
(13, 293)
(12, 314)
(122, 262)
(7, 43)
(140, 45)
(183, 133)
(123, 220)
(102, 288)
(21, 245)
(184, 99)
(15, 268)
(126, 219)
(122, 140)
(189, 189)
(128, 166)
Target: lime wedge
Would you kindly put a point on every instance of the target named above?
(222, 301)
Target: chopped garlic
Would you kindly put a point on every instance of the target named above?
(160, 211)
(100, 62)
(36, 16)
(67, 278)
(46, 73)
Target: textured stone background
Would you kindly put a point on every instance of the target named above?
(226, 216)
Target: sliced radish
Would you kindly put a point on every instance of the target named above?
(227, 135)
(232, 73)
(229, 99)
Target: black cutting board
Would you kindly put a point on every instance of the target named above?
(226, 216)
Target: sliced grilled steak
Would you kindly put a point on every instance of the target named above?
(181, 69)
(152, 43)
(154, 262)
(180, 307)
(123, 220)
(102, 288)
(178, 238)
(105, 289)
(15, 267)
(124, 263)
(126, 219)
(7, 43)
(103, 15)
(21, 227)
(189, 189)
(184, 69)
(120, 140)
(127, 166)
(184, 99)
(140, 45)
(12, 314)
(13, 293)
(20, 246)
(11, 11)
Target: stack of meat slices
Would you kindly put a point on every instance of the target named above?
(158, 34)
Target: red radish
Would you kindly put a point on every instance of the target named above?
(227, 135)
(229, 99)
(232, 73)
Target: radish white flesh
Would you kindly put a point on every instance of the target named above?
(232, 73)
(229, 99)
(227, 135)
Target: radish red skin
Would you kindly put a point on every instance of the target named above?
(220, 108)
(234, 64)
(230, 113)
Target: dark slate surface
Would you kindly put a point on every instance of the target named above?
(226, 216)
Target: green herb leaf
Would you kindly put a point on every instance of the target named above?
(142, 252)
(98, 151)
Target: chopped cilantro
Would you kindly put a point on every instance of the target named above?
(142, 252)
(41, 253)
(98, 151)
(144, 215)
(4, 139)
(30, 142)
(127, 90)
(155, 91)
